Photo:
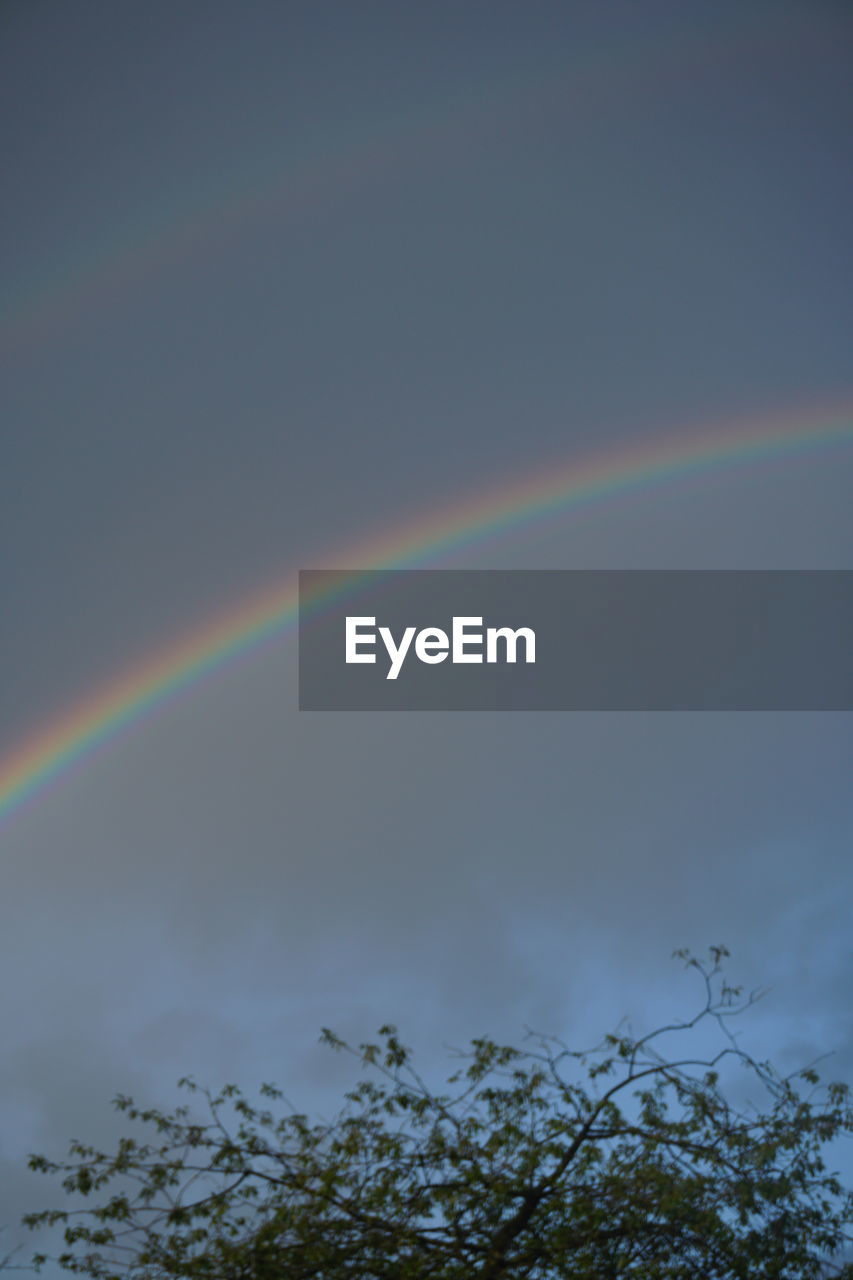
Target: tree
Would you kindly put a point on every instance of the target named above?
(627, 1160)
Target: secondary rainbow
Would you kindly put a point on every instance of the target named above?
(191, 219)
(241, 629)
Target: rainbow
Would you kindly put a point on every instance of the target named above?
(244, 628)
(198, 217)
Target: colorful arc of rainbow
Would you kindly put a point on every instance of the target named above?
(131, 696)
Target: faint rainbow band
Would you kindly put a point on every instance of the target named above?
(241, 629)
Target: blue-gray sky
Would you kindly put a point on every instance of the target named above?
(277, 276)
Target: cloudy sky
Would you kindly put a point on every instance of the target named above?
(280, 277)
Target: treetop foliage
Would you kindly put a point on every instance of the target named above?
(629, 1159)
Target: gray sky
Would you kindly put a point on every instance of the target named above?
(279, 276)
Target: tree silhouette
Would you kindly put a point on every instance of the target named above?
(629, 1159)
